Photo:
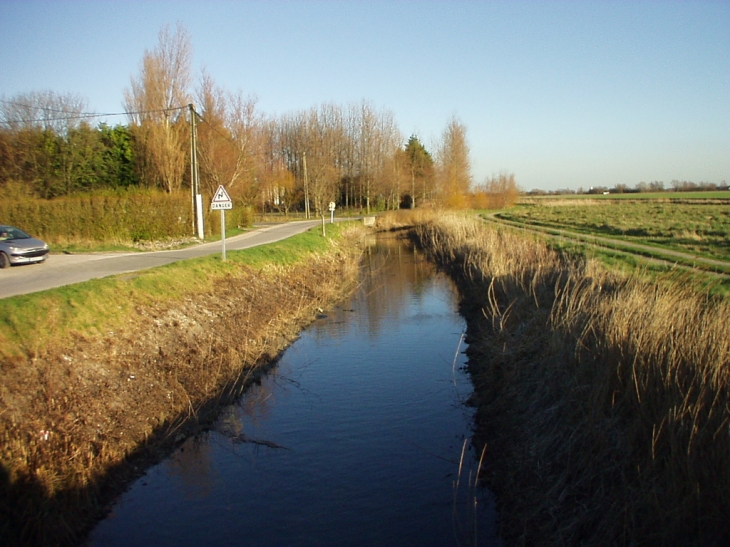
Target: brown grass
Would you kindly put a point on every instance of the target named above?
(604, 400)
(78, 420)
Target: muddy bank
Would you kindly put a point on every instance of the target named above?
(602, 401)
(78, 421)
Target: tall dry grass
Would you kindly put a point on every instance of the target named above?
(604, 400)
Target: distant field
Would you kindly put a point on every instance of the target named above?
(701, 228)
(663, 196)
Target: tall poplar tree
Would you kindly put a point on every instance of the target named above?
(454, 165)
(155, 103)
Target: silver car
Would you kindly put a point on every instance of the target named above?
(17, 247)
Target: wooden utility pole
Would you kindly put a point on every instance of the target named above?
(194, 175)
(306, 187)
(193, 161)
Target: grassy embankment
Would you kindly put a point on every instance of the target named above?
(104, 377)
(603, 399)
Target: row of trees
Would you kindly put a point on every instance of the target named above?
(642, 187)
(47, 149)
(352, 154)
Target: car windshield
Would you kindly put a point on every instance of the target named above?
(8, 232)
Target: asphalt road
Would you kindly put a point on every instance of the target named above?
(59, 270)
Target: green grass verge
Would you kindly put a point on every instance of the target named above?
(31, 322)
(630, 264)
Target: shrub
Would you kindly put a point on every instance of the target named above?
(115, 217)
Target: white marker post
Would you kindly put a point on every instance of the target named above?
(332, 212)
(222, 201)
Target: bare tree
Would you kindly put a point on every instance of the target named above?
(388, 172)
(454, 166)
(43, 110)
(351, 154)
(375, 140)
(156, 103)
(245, 125)
(322, 130)
(228, 140)
(497, 192)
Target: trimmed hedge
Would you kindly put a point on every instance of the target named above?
(114, 217)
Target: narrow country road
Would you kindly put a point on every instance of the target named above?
(62, 269)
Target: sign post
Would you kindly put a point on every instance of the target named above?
(332, 211)
(222, 201)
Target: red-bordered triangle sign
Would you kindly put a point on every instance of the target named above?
(221, 196)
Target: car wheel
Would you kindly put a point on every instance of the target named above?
(4, 260)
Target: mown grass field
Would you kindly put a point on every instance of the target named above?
(699, 227)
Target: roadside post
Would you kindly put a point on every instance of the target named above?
(332, 212)
(222, 201)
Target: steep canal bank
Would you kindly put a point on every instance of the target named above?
(84, 415)
(359, 436)
(603, 398)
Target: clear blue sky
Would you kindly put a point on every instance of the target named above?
(562, 94)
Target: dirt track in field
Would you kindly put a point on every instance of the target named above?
(621, 246)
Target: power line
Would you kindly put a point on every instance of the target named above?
(32, 106)
(79, 116)
(88, 115)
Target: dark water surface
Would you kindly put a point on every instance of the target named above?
(354, 439)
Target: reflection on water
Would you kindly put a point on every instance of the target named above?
(355, 438)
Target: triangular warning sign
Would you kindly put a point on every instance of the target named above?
(221, 196)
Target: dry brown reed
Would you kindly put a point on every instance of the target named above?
(605, 399)
(87, 415)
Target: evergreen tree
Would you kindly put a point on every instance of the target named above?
(420, 165)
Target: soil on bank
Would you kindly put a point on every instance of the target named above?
(80, 420)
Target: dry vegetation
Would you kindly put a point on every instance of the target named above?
(603, 400)
(80, 418)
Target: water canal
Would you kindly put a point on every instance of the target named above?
(355, 438)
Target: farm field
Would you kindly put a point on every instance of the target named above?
(629, 196)
(699, 227)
